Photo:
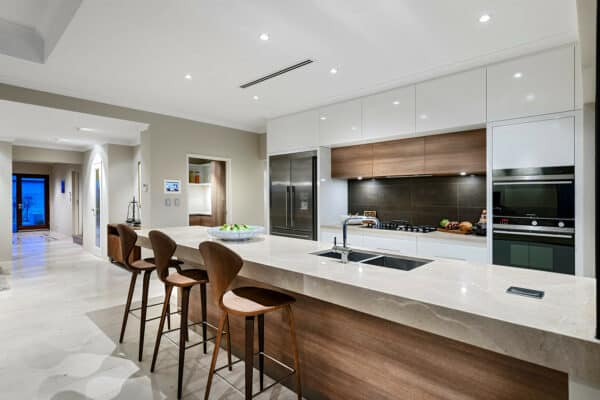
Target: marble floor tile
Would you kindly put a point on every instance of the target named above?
(60, 319)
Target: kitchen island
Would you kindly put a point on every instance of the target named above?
(447, 329)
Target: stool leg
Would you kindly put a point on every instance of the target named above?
(168, 296)
(261, 349)
(161, 325)
(215, 355)
(145, 287)
(295, 351)
(128, 305)
(228, 342)
(204, 312)
(185, 300)
(249, 356)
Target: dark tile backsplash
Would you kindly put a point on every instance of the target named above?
(420, 200)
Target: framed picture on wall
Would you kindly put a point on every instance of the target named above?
(172, 186)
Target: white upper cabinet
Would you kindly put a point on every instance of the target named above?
(295, 132)
(538, 84)
(545, 143)
(340, 123)
(453, 101)
(389, 114)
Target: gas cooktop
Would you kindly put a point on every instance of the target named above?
(398, 225)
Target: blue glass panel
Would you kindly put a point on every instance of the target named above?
(14, 203)
(33, 198)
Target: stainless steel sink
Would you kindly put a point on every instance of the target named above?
(403, 263)
(354, 256)
(378, 259)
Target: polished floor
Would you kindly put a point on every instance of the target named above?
(60, 315)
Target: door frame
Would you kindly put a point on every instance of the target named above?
(228, 194)
(19, 216)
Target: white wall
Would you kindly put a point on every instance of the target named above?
(49, 156)
(97, 154)
(61, 204)
(121, 181)
(5, 201)
(333, 193)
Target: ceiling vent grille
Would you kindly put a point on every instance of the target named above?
(276, 73)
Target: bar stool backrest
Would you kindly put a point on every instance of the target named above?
(164, 247)
(222, 265)
(128, 238)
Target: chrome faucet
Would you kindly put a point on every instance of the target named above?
(343, 250)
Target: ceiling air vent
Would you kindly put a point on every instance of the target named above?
(276, 73)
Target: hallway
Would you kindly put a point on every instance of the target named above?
(59, 324)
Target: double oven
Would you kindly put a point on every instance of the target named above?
(534, 218)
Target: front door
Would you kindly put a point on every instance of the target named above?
(30, 202)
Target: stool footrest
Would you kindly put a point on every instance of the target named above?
(291, 370)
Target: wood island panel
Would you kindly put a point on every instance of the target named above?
(345, 354)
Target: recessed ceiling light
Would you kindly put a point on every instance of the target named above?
(88, 130)
(359, 178)
(333, 71)
(530, 97)
(463, 173)
(188, 77)
(354, 128)
(395, 102)
(323, 118)
(264, 37)
(255, 97)
(485, 18)
(518, 75)
(423, 116)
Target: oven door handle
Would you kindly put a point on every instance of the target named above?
(560, 236)
(533, 183)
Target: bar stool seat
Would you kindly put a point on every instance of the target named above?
(187, 278)
(253, 301)
(143, 265)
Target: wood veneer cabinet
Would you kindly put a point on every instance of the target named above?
(399, 157)
(352, 161)
(453, 153)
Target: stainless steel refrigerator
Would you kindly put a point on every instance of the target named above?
(293, 195)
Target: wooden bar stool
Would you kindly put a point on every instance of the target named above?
(223, 265)
(128, 238)
(164, 247)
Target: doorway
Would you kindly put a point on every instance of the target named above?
(208, 191)
(31, 204)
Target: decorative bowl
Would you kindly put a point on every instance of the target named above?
(252, 231)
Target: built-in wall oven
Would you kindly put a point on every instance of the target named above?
(534, 218)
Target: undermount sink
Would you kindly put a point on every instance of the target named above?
(354, 256)
(403, 263)
(381, 260)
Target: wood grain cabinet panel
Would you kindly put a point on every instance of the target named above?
(453, 153)
(352, 161)
(399, 157)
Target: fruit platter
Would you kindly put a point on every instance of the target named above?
(235, 231)
(448, 226)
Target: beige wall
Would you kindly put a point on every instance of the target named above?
(163, 151)
(61, 204)
(5, 201)
(31, 168)
(50, 156)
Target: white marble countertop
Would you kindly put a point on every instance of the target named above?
(467, 239)
(456, 299)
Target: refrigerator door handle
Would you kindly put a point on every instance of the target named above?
(287, 200)
(292, 205)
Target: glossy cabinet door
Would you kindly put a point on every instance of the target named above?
(352, 161)
(395, 243)
(340, 123)
(389, 114)
(544, 143)
(533, 85)
(451, 102)
(452, 249)
(399, 157)
(453, 153)
(296, 132)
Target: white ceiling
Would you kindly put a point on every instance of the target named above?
(30, 125)
(135, 53)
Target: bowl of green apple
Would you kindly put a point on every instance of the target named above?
(235, 231)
